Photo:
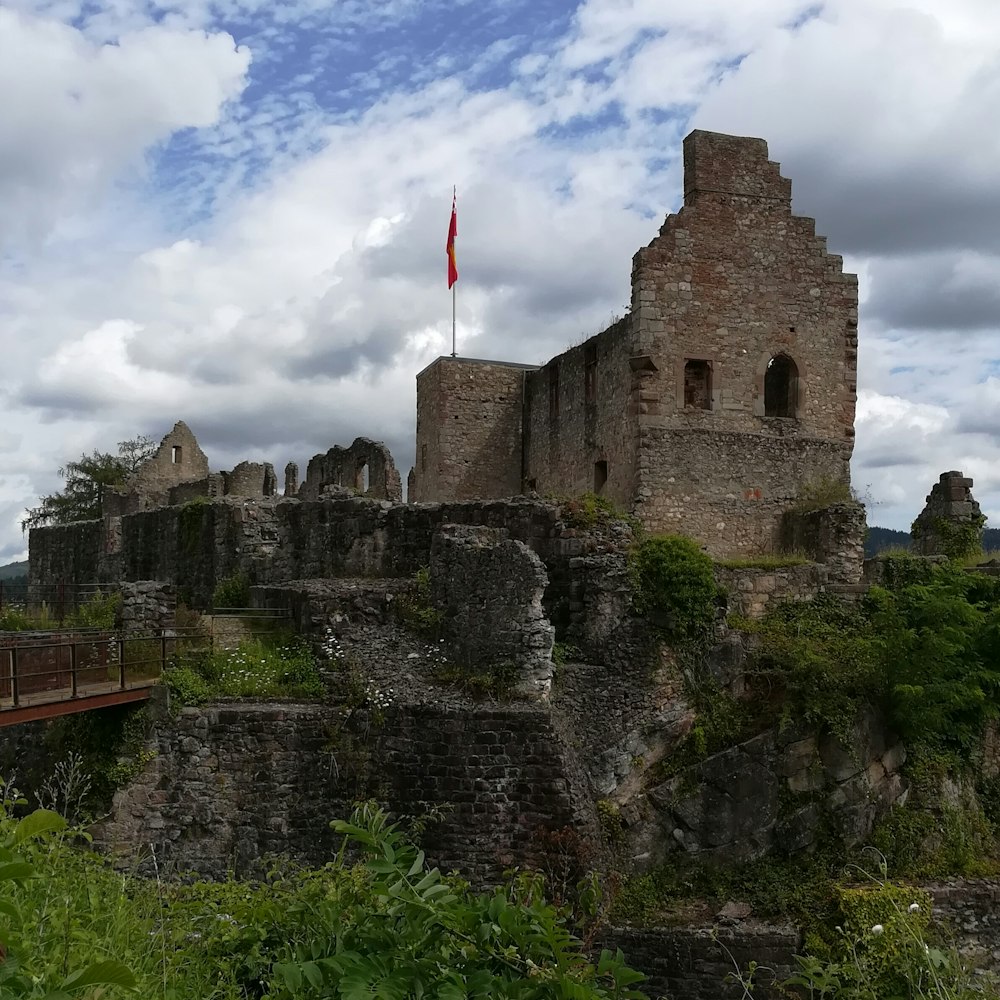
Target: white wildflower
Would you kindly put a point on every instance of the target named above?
(877, 929)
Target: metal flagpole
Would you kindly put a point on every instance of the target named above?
(454, 197)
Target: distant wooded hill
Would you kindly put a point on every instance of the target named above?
(880, 539)
(14, 569)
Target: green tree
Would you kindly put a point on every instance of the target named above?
(87, 481)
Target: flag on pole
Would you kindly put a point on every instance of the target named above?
(450, 248)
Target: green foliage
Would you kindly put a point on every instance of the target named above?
(900, 569)
(960, 540)
(87, 481)
(817, 662)
(101, 612)
(673, 584)
(388, 926)
(412, 932)
(823, 492)
(927, 653)
(110, 745)
(232, 592)
(263, 667)
(416, 610)
(563, 653)
(591, 511)
(881, 948)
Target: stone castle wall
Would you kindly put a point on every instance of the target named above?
(580, 432)
(469, 430)
(232, 783)
(196, 545)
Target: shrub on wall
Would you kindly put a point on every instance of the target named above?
(673, 584)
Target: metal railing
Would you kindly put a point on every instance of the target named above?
(45, 667)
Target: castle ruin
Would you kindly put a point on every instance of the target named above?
(725, 395)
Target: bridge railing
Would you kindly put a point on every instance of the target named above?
(43, 667)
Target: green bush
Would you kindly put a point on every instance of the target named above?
(232, 592)
(674, 586)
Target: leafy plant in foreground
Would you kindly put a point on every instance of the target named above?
(408, 931)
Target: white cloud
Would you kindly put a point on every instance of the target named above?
(283, 289)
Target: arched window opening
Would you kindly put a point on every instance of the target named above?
(698, 385)
(781, 387)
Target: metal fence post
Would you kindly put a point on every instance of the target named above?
(72, 668)
(121, 663)
(14, 693)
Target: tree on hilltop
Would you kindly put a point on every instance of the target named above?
(87, 481)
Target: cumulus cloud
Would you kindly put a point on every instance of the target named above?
(209, 217)
(78, 114)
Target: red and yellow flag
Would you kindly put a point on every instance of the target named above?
(450, 248)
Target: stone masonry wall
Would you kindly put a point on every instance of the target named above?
(729, 490)
(147, 605)
(232, 782)
(696, 963)
(345, 468)
(490, 591)
(196, 545)
(580, 434)
(468, 430)
(950, 507)
(753, 591)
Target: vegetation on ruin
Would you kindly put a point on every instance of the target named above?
(673, 584)
(824, 492)
(232, 592)
(99, 612)
(87, 481)
(415, 608)
(375, 921)
(959, 540)
(278, 666)
(590, 510)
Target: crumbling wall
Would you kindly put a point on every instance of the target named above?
(833, 536)
(581, 429)
(251, 479)
(753, 591)
(231, 783)
(490, 589)
(348, 467)
(147, 605)
(951, 523)
(178, 459)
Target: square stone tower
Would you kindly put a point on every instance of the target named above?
(725, 394)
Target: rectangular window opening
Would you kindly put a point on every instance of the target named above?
(553, 391)
(175, 454)
(697, 385)
(600, 476)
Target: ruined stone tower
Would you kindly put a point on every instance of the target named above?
(725, 394)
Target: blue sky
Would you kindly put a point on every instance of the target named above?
(232, 212)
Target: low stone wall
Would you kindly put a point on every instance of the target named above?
(698, 963)
(968, 912)
(233, 782)
(752, 590)
(834, 536)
